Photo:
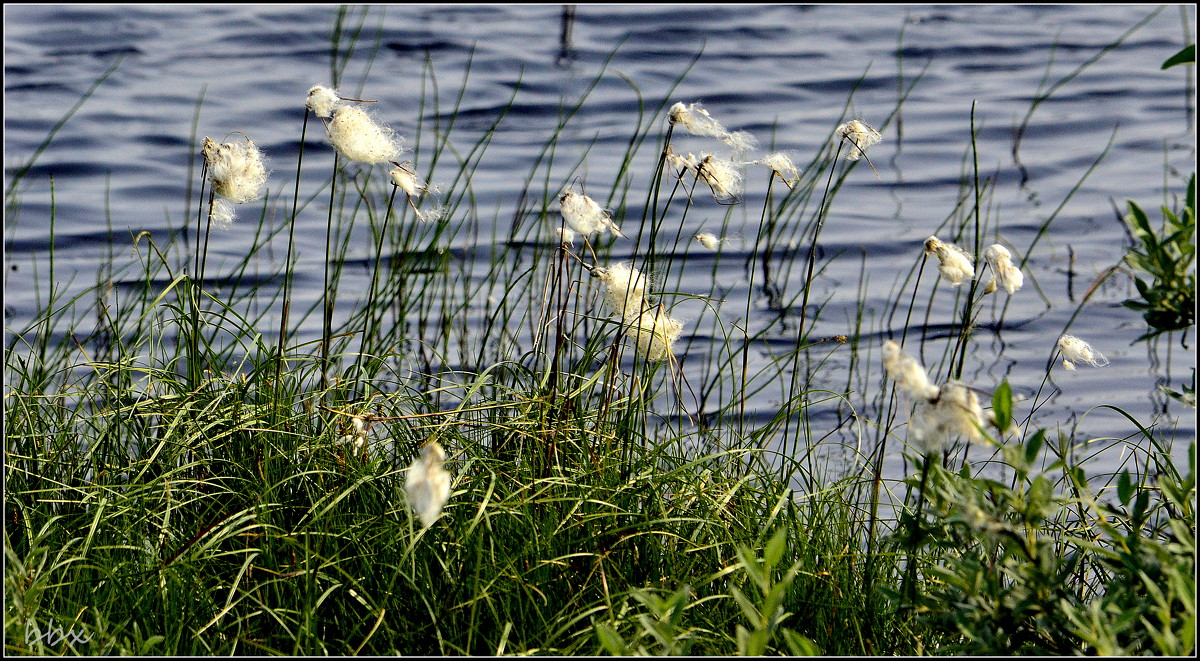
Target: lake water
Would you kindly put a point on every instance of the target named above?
(784, 73)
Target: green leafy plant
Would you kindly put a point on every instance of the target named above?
(1047, 564)
(1168, 299)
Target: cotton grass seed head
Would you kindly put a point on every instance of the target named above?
(782, 165)
(357, 137)
(321, 100)
(654, 333)
(710, 241)
(1004, 272)
(696, 120)
(1075, 350)
(624, 289)
(235, 169)
(566, 236)
(357, 436)
(683, 164)
(907, 373)
(428, 484)
(721, 176)
(584, 215)
(954, 413)
(954, 263)
(406, 180)
(859, 135)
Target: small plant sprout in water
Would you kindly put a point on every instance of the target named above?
(1005, 274)
(237, 174)
(1075, 350)
(358, 138)
(428, 484)
(860, 136)
(954, 263)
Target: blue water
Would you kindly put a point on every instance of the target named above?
(784, 73)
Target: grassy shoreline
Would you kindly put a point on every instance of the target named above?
(187, 479)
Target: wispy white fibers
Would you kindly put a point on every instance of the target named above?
(782, 165)
(721, 175)
(624, 288)
(955, 412)
(906, 372)
(358, 435)
(696, 120)
(710, 241)
(859, 135)
(1075, 350)
(322, 100)
(654, 333)
(428, 484)
(585, 216)
(357, 137)
(954, 263)
(1005, 274)
(406, 180)
(236, 172)
(940, 413)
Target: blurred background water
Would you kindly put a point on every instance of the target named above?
(785, 73)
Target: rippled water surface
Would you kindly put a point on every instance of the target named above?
(787, 74)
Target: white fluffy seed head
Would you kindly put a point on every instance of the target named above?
(954, 263)
(428, 484)
(624, 289)
(907, 373)
(357, 137)
(721, 176)
(654, 332)
(584, 215)
(781, 164)
(222, 213)
(1075, 350)
(566, 236)
(710, 241)
(321, 100)
(235, 169)
(696, 120)
(1004, 272)
(955, 412)
(685, 164)
(406, 180)
(859, 135)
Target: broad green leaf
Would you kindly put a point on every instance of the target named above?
(1002, 406)
(1125, 487)
(1034, 446)
(774, 551)
(1185, 56)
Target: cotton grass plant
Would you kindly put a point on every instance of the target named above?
(537, 453)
